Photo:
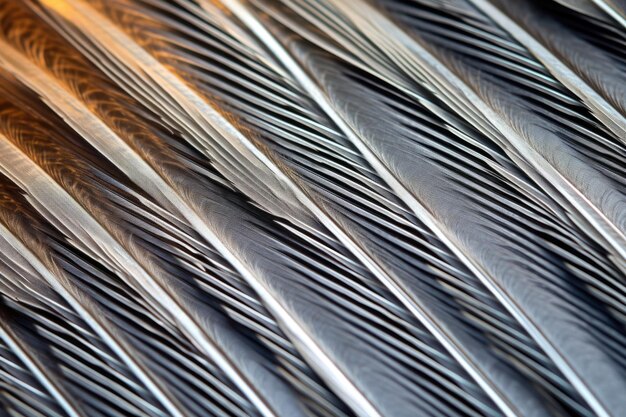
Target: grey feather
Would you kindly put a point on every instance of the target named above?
(312, 208)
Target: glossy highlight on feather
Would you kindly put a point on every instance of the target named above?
(296, 208)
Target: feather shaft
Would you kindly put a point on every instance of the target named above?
(124, 157)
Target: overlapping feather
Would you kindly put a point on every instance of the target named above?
(318, 207)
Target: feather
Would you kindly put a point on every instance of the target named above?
(614, 8)
(406, 294)
(135, 338)
(102, 242)
(312, 208)
(53, 341)
(362, 112)
(379, 272)
(601, 108)
(179, 71)
(268, 241)
(581, 43)
(600, 212)
(30, 364)
(102, 328)
(110, 138)
(23, 395)
(89, 317)
(585, 7)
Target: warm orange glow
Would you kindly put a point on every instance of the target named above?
(62, 7)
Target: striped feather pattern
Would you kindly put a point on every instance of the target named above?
(296, 208)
